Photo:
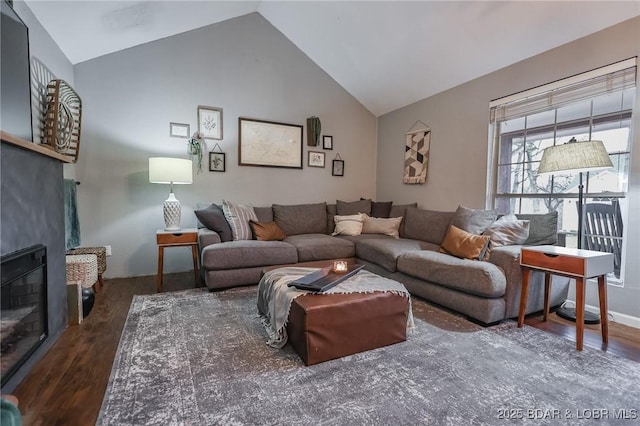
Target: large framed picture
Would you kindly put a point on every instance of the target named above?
(316, 159)
(210, 122)
(217, 162)
(269, 144)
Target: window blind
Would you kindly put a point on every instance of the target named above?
(573, 89)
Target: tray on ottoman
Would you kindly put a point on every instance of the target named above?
(364, 312)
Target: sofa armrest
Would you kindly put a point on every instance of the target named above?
(206, 237)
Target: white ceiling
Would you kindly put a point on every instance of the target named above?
(387, 54)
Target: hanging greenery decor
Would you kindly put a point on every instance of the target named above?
(195, 149)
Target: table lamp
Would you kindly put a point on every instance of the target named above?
(172, 171)
(575, 156)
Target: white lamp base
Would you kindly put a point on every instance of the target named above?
(172, 212)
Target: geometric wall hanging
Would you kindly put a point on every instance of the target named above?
(416, 155)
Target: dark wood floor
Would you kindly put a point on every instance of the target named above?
(67, 386)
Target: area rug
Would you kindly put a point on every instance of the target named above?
(199, 358)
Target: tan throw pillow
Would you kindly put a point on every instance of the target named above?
(238, 216)
(376, 225)
(348, 225)
(507, 231)
(463, 244)
(269, 231)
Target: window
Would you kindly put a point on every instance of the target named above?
(593, 106)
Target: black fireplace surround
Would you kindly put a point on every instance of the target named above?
(23, 307)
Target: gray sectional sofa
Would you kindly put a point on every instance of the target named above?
(485, 291)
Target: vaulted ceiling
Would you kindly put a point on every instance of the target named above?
(387, 54)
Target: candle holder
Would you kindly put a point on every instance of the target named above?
(340, 267)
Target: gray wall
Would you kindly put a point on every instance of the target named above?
(33, 201)
(459, 119)
(244, 66)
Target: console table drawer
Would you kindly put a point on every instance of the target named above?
(555, 262)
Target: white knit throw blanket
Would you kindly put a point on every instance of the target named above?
(275, 297)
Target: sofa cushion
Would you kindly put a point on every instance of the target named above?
(507, 231)
(464, 245)
(321, 247)
(238, 216)
(473, 221)
(348, 225)
(264, 214)
(268, 231)
(385, 226)
(426, 225)
(301, 218)
(385, 251)
(345, 208)
(543, 228)
(247, 254)
(399, 210)
(212, 217)
(479, 278)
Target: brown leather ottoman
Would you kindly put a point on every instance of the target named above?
(322, 327)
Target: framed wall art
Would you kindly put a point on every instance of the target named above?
(217, 162)
(316, 159)
(338, 168)
(327, 142)
(179, 130)
(269, 144)
(210, 122)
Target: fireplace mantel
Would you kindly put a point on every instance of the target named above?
(43, 150)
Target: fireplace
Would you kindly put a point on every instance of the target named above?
(23, 307)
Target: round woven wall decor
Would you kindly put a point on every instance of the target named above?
(62, 119)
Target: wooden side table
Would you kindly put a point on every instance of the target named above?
(573, 263)
(182, 238)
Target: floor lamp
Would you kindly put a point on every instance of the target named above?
(581, 157)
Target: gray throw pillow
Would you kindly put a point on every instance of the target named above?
(400, 210)
(345, 208)
(212, 217)
(473, 221)
(543, 228)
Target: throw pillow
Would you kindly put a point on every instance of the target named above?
(212, 217)
(238, 216)
(348, 225)
(473, 221)
(508, 231)
(381, 208)
(464, 245)
(345, 208)
(269, 231)
(385, 226)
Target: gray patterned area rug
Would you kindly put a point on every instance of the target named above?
(199, 358)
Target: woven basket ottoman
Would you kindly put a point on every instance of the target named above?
(82, 268)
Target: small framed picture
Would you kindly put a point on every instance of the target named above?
(210, 122)
(327, 142)
(316, 159)
(179, 130)
(217, 162)
(338, 168)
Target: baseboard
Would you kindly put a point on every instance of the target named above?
(624, 319)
